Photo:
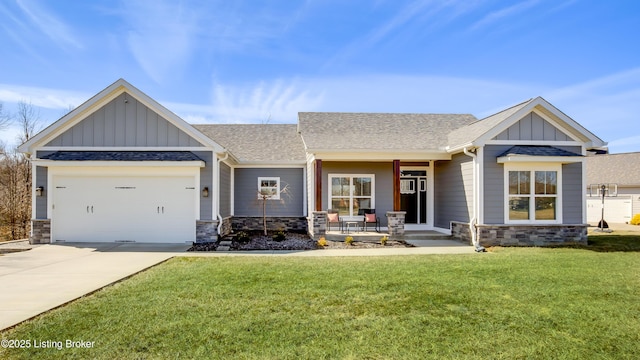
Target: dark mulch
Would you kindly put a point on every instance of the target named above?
(293, 241)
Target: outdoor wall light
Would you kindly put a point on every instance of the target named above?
(205, 192)
(39, 191)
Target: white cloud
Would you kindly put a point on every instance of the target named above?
(49, 24)
(503, 13)
(41, 97)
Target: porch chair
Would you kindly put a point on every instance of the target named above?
(333, 216)
(370, 217)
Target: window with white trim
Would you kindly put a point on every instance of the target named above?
(533, 194)
(348, 193)
(269, 188)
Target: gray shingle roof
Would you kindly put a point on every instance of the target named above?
(621, 169)
(378, 131)
(469, 133)
(537, 150)
(258, 143)
(122, 156)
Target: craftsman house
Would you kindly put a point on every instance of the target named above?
(121, 167)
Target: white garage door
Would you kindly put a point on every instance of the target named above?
(154, 209)
(616, 210)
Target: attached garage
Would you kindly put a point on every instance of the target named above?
(617, 210)
(124, 204)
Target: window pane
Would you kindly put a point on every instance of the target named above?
(546, 182)
(545, 208)
(339, 186)
(518, 208)
(519, 182)
(361, 203)
(342, 205)
(362, 186)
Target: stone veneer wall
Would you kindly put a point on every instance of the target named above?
(40, 231)
(531, 235)
(395, 222)
(206, 230)
(226, 227)
(273, 223)
(460, 231)
(319, 224)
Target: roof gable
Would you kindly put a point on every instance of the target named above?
(124, 121)
(117, 98)
(494, 126)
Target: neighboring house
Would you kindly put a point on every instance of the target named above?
(121, 167)
(621, 174)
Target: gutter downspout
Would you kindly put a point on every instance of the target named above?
(474, 217)
(218, 215)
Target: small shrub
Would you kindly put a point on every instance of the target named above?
(279, 236)
(348, 240)
(635, 220)
(383, 240)
(242, 237)
(322, 242)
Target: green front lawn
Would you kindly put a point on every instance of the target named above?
(509, 303)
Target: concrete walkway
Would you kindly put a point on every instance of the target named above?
(48, 276)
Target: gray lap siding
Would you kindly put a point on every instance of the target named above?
(453, 190)
(246, 201)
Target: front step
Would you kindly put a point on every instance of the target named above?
(375, 237)
(224, 245)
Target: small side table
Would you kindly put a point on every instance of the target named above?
(348, 224)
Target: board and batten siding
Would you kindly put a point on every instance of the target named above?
(246, 202)
(383, 172)
(532, 127)
(453, 190)
(225, 190)
(124, 121)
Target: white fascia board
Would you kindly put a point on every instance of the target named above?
(534, 142)
(366, 155)
(55, 163)
(270, 165)
(122, 148)
(539, 159)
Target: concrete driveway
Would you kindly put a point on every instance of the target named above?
(48, 276)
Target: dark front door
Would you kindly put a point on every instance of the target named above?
(413, 198)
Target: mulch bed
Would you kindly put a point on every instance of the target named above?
(293, 241)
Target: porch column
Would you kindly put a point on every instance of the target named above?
(396, 185)
(318, 189)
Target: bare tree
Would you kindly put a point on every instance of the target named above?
(28, 118)
(5, 119)
(15, 178)
(268, 195)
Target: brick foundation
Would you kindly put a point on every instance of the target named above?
(40, 231)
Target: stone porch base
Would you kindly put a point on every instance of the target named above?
(522, 235)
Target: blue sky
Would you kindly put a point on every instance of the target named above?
(255, 61)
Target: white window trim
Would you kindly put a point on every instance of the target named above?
(533, 167)
(351, 176)
(269, 178)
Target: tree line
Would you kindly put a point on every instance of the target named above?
(15, 173)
